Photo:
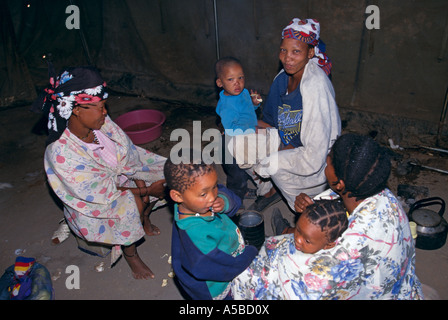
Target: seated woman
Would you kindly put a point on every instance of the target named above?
(107, 184)
(301, 106)
(373, 259)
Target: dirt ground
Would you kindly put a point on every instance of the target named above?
(29, 214)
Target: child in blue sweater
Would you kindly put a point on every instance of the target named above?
(208, 250)
(236, 109)
(236, 106)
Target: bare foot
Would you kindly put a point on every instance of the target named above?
(139, 269)
(150, 229)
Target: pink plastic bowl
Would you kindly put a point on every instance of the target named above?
(142, 126)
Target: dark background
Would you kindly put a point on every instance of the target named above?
(166, 49)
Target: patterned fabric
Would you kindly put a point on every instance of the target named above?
(94, 208)
(22, 286)
(105, 148)
(77, 85)
(373, 259)
(308, 31)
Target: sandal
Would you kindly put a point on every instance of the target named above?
(278, 223)
(251, 194)
(62, 233)
(263, 202)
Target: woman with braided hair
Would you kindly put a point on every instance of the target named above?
(361, 168)
(374, 258)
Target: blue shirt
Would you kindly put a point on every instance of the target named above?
(237, 113)
(284, 111)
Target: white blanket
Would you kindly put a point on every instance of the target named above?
(302, 169)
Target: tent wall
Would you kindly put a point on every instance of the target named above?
(167, 48)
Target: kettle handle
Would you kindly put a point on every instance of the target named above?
(429, 202)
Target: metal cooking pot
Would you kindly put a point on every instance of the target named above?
(251, 224)
(432, 228)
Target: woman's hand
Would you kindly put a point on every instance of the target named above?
(157, 189)
(218, 204)
(283, 147)
(302, 201)
(263, 125)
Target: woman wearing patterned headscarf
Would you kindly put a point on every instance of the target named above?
(107, 184)
(301, 105)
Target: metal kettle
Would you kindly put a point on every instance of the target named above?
(432, 228)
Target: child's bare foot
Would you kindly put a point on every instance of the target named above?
(150, 229)
(139, 269)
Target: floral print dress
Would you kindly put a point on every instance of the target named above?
(373, 259)
(95, 209)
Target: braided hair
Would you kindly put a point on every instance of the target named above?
(362, 164)
(330, 216)
(182, 176)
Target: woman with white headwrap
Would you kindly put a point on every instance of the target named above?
(301, 105)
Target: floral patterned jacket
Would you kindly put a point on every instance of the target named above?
(373, 259)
